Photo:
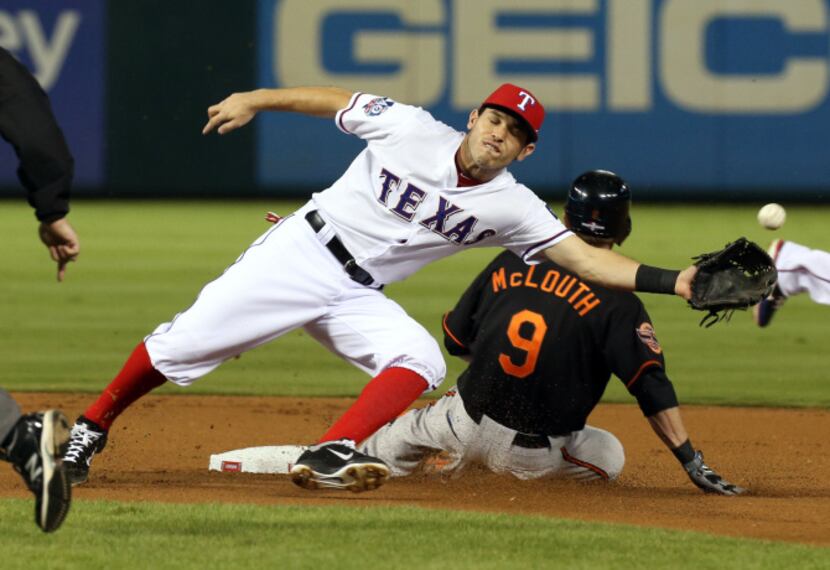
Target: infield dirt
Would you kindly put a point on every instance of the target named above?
(159, 450)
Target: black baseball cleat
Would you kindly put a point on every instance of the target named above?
(34, 448)
(87, 439)
(338, 465)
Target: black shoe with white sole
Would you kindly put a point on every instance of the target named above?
(337, 465)
(34, 447)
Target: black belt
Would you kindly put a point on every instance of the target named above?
(525, 440)
(531, 440)
(339, 251)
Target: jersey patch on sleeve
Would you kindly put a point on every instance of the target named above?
(377, 106)
(645, 332)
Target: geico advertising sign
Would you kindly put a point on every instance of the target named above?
(62, 44)
(671, 93)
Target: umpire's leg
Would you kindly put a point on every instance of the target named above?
(9, 414)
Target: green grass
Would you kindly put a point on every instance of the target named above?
(143, 261)
(136, 535)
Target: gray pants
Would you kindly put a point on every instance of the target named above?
(445, 430)
(9, 414)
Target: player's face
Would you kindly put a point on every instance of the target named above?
(495, 139)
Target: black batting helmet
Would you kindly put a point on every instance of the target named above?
(598, 204)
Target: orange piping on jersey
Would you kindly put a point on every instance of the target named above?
(571, 459)
(449, 333)
(646, 364)
(499, 280)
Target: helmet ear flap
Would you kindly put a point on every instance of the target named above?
(624, 233)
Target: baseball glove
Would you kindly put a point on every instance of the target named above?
(735, 277)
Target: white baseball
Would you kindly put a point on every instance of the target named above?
(772, 216)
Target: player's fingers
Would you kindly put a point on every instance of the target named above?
(212, 123)
(72, 249)
(67, 253)
(226, 128)
(61, 270)
(53, 253)
(229, 126)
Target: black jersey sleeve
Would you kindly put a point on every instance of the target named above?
(654, 391)
(630, 346)
(460, 325)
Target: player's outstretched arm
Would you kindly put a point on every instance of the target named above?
(239, 108)
(668, 425)
(62, 241)
(610, 269)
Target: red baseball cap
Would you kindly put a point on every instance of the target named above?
(519, 102)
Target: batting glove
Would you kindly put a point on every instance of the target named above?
(707, 480)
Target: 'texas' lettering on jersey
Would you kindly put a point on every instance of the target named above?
(581, 299)
(409, 200)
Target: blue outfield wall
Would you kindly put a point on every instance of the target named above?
(687, 99)
(63, 44)
(682, 97)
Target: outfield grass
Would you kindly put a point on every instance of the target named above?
(144, 261)
(134, 535)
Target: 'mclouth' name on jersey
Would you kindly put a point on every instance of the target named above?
(411, 197)
(577, 293)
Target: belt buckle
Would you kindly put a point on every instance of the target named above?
(357, 273)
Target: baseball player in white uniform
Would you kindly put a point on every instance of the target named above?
(800, 270)
(419, 191)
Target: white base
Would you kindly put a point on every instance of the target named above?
(274, 459)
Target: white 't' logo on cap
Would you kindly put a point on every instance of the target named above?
(526, 97)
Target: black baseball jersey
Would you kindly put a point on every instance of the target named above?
(544, 344)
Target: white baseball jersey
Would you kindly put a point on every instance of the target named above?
(397, 207)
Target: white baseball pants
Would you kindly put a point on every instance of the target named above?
(287, 279)
(445, 427)
(801, 269)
